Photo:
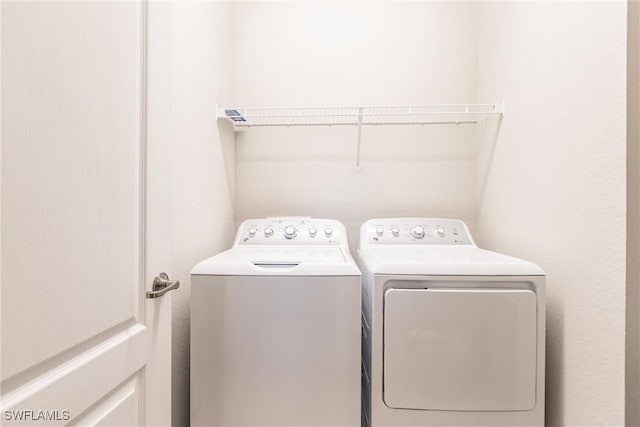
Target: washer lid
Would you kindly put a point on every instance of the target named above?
(279, 260)
(443, 260)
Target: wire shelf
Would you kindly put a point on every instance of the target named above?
(458, 114)
(354, 116)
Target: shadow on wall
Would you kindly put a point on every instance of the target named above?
(488, 132)
(554, 382)
(227, 142)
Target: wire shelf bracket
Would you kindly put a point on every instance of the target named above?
(358, 116)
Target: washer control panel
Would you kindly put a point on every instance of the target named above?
(423, 231)
(291, 231)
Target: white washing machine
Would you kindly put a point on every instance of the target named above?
(275, 328)
(453, 335)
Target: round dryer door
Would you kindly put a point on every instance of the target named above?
(460, 349)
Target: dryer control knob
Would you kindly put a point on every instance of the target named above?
(290, 232)
(252, 231)
(313, 231)
(395, 231)
(379, 231)
(328, 231)
(268, 232)
(440, 231)
(417, 232)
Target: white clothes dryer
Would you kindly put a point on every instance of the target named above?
(275, 328)
(453, 335)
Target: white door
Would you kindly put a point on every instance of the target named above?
(84, 214)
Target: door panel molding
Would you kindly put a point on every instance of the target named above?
(126, 351)
(36, 371)
(119, 403)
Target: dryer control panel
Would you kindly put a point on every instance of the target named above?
(291, 231)
(421, 231)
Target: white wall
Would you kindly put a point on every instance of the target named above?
(633, 216)
(556, 185)
(202, 167)
(349, 53)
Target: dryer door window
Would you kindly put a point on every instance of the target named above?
(460, 349)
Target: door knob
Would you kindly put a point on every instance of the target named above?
(162, 285)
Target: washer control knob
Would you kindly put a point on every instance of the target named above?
(328, 231)
(290, 232)
(252, 231)
(313, 231)
(395, 231)
(440, 231)
(379, 231)
(417, 232)
(268, 232)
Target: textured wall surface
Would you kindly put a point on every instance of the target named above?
(350, 53)
(202, 167)
(555, 189)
